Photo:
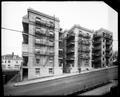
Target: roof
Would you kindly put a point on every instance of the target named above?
(11, 57)
(42, 14)
(102, 29)
(79, 27)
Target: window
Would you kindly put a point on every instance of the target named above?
(8, 61)
(37, 60)
(103, 59)
(16, 66)
(37, 71)
(5, 61)
(9, 66)
(16, 61)
(103, 52)
(50, 70)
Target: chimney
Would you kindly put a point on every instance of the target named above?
(12, 53)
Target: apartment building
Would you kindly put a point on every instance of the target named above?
(64, 51)
(78, 49)
(11, 62)
(61, 46)
(40, 47)
(102, 48)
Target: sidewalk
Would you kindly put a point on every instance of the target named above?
(53, 77)
(43, 79)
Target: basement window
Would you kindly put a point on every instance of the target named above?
(50, 70)
(37, 71)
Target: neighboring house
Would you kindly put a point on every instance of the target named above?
(11, 62)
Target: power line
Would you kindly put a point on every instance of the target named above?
(31, 34)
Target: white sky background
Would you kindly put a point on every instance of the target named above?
(92, 15)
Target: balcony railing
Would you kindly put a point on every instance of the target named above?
(87, 50)
(44, 42)
(70, 51)
(86, 36)
(70, 43)
(108, 36)
(108, 55)
(97, 54)
(97, 60)
(70, 58)
(108, 43)
(83, 57)
(45, 33)
(97, 48)
(48, 24)
(40, 52)
(83, 42)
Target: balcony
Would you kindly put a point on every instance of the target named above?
(86, 36)
(97, 54)
(97, 60)
(39, 31)
(95, 36)
(80, 34)
(45, 53)
(108, 36)
(24, 47)
(97, 48)
(70, 35)
(108, 42)
(70, 51)
(109, 49)
(83, 42)
(84, 57)
(70, 43)
(70, 58)
(108, 55)
(44, 42)
(40, 22)
(84, 50)
(97, 42)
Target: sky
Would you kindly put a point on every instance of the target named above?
(92, 15)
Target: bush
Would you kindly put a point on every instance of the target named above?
(7, 75)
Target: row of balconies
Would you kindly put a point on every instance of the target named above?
(46, 33)
(84, 57)
(98, 54)
(108, 36)
(44, 52)
(48, 24)
(84, 42)
(109, 49)
(70, 43)
(87, 50)
(44, 42)
(97, 60)
(84, 35)
(97, 48)
(97, 42)
(70, 50)
(108, 54)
